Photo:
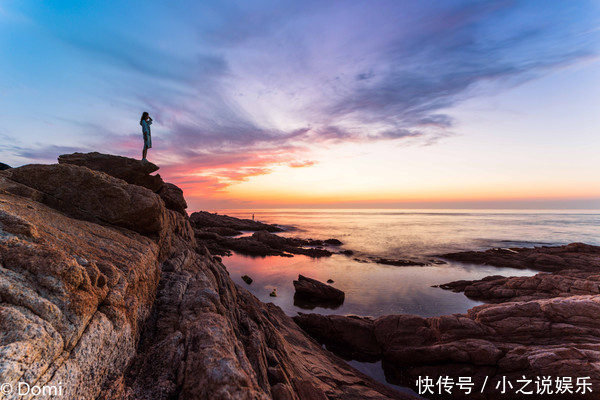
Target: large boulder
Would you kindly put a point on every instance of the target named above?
(312, 290)
(130, 170)
(173, 198)
(91, 195)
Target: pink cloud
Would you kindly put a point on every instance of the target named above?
(302, 164)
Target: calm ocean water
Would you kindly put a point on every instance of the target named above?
(374, 289)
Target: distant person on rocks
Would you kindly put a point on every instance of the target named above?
(145, 122)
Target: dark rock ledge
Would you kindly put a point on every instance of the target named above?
(214, 231)
(569, 270)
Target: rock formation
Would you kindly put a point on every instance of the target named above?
(546, 325)
(203, 219)
(577, 256)
(213, 231)
(400, 262)
(311, 293)
(105, 292)
(575, 270)
(131, 171)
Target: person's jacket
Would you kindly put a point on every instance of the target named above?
(146, 126)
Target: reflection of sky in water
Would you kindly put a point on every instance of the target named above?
(375, 289)
(375, 370)
(371, 289)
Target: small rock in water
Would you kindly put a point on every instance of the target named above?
(400, 263)
(347, 252)
(247, 279)
(333, 242)
(437, 262)
(273, 293)
(315, 291)
(330, 281)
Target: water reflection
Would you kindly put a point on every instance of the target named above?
(371, 289)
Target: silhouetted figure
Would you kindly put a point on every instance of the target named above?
(145, 122)
(252, 217)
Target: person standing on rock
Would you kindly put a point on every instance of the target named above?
(145, 122)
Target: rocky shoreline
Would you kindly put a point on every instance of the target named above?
(544, 325)
(106, 293)
(110, 290)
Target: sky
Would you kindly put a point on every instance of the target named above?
(321, 104)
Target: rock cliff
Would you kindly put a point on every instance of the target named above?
(105, 292)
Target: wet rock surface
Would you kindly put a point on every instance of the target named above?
(113, 306)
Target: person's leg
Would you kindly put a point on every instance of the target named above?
(144, 152)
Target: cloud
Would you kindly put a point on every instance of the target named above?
(239, 88)
(302, 164)
(388, 73)
(46, 153)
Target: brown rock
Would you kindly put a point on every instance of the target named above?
(291, 245)
(314, 291)
(574, 267)
(90, 195)
(131, 171)
(573, 256)
(221, 230)
(400, 263)
(356, 334)
(551, 337)
(82, 304)
(203, 219)
(73, 293)
(173, 198)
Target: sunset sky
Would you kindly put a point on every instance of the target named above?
(259, 104)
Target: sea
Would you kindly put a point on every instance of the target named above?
(374, 289)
